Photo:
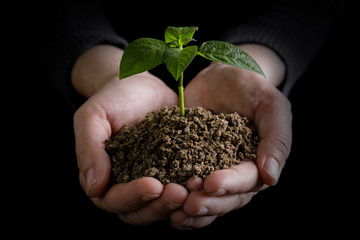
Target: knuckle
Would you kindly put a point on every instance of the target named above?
(283, 144)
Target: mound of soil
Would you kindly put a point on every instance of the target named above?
(172, 148)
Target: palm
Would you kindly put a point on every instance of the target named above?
(225, 89)
(128, 101)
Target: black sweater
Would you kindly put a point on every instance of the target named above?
(295, 30)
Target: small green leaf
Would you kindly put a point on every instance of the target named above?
(230, 54)
(177, 60)
(182, 35)
(141, 55)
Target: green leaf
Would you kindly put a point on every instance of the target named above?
(177, 60)
(230, 54)
(141, 55)
(182, 35)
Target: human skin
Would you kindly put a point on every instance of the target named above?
(113, 104)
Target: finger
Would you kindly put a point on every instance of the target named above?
(194, 184)
(201, 204)
(126, 197)
(159, 209)
(182, 221)
(273, 120)
(93, 161)
(201, 209)
(237, 179)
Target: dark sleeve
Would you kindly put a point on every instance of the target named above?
(295, 30)
(71, 29)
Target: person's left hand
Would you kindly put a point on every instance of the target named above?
(227, 89)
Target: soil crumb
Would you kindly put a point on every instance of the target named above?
(172, 148)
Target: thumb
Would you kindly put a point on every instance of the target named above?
(93, 161)
(274, 121)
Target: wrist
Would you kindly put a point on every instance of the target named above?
(94, 68)
(271, 64)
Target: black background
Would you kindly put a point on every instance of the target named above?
(314, 197)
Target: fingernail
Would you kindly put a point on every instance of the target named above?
(202, 212)
(173, 206)
(188, 222)
(271, 166)
(90, 180)
(149, 197)
(219, 192)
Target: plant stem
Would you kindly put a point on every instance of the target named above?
(181, 96)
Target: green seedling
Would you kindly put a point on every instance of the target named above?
(146, 53)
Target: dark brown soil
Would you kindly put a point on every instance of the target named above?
(171, 148)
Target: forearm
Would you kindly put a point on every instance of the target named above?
(295, 31)
(94, 68)
(271, 64)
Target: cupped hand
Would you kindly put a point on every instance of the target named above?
(226, 89)
(116, 104)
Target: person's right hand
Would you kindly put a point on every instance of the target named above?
(116, 104)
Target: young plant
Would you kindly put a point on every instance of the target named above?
(146, 53)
